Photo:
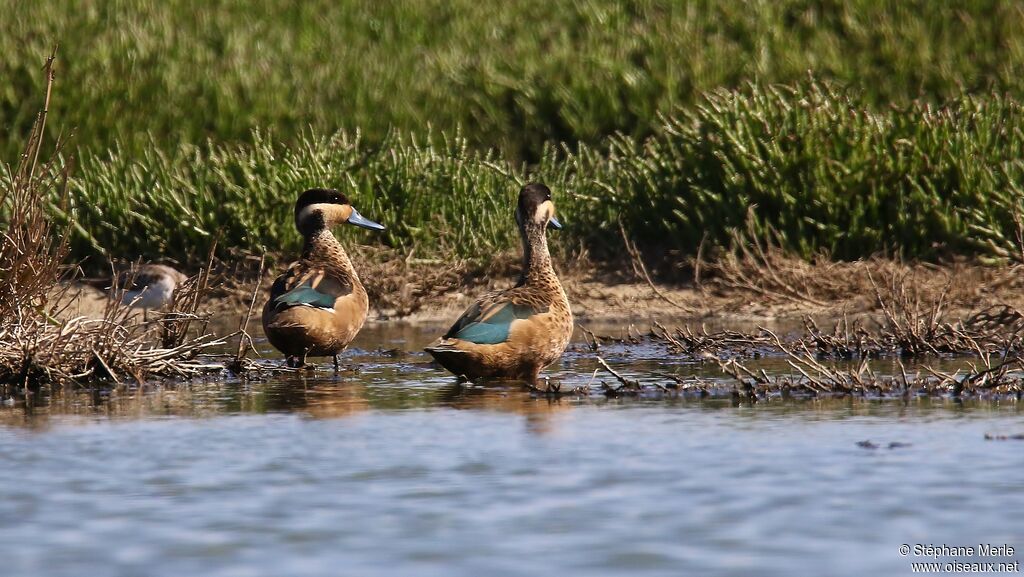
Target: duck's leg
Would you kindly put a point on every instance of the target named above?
(296, 361)
(336, 366)
(532, 376)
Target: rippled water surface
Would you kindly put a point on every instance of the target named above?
(391, 468)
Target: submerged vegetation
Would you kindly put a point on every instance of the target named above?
(856, 356)
(842, 361)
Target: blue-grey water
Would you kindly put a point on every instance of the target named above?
(391, 468)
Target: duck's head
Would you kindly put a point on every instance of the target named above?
(535, 208)
(319, 208)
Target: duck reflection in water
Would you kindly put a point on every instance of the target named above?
(542, 413)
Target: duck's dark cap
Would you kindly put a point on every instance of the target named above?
(534, 193)
(320, 196)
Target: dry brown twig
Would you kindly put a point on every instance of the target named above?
(626, 386)
(640, 270)
(403, 285)
(36, 346)
(758, 263)
(184, 309)
(244, 339)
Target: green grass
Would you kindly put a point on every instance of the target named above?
(817, 166)
(512, 75)
(435, 194)
(813, 162)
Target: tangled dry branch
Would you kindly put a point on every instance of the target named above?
(908, 326)
(40, 343)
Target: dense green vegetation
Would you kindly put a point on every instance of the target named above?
(512, 75)
(812, 162)
(683, 120)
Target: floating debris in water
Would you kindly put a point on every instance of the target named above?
(991, 437)
(872, 446)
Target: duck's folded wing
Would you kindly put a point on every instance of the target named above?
(308, 287)
(489, 323)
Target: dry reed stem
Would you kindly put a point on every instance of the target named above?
(38, 349)
(757, 263)
(405, 284)
(184, 310)
(640, 270)
(244, 339)
(811, 378)
(911, 325)
(998, 372)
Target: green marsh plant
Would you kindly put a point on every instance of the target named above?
(811, 164)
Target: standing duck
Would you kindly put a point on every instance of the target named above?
(318, 305)
(514, 333)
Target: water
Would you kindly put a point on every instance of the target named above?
(395, 470)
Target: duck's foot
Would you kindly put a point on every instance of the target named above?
(545, 385)
(534, 380)
(553, 388)
(295, 361)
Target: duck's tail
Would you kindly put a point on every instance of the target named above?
(449, 356)
(443, 348)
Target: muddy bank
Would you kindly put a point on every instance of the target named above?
(591, 301)
(755, 281)
(595, 301)
(855, 350)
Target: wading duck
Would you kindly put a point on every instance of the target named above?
(318, 305)
(514, 333)
(150, 286)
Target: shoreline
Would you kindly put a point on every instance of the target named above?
(603, 303)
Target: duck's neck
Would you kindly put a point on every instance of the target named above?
(321, 246)
(536, 259)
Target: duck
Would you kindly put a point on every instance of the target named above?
(515, 333)
(318, 305)
(148, 286)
